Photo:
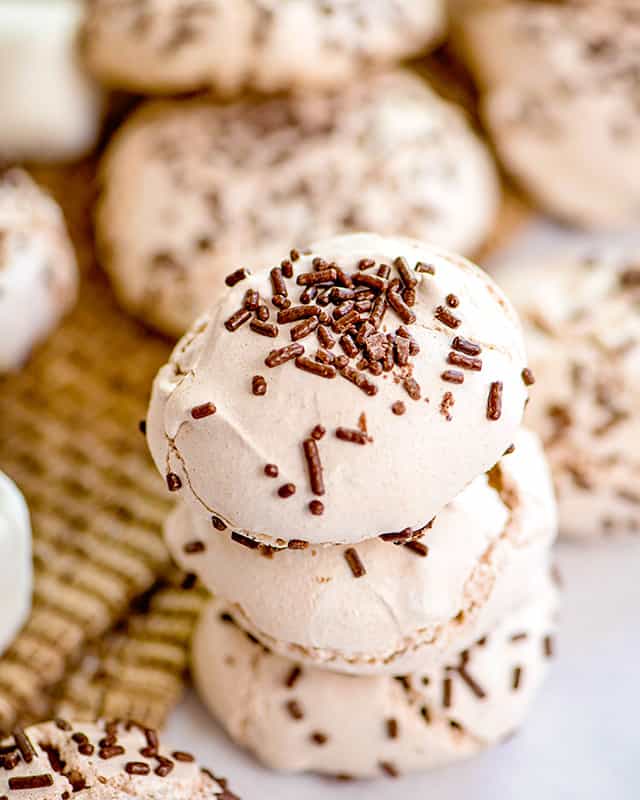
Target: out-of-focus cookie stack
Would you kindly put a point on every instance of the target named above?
(344, 433)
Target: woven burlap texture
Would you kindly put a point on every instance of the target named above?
(69, 438)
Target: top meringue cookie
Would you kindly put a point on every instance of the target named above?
(173, 45)
(384, 390)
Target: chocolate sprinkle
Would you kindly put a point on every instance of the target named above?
(360, 380)
(297, 544)
(283, 354)
(295, 710)
(419, 548)
(351, 435)
(354, 562)
(517, 678)
(237, 319)
(548, 646)
(316, 367)
(528, 377)
(319, 738)
(446, 317)
(392, 728)
(316, 508)
(180, 755)
(466, 346)
(137, 768)
(111, 751)
(202, 411)
(452, 376)
(464, 361)
(314, 465)
(453, 301)
(264, 328)
(389, 769)
(174, 483)
(245, 541)
(24, 744)
(271, 471)
(286, 490)
(293, 676)
(236, 277)
(218, 524)
(258, 386)
(447, 687)
(398, 408)
(494, 403)
(196, 546)
(30, 782)
(318, 432)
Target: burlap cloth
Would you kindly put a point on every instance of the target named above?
(69, 438)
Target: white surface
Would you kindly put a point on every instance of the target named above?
(582, 740)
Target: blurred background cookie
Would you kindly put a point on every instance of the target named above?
(581, 311)
(168, 46)
(297, 718)
(38, 272)
(50, 108)
(15, 561)
(96, 761)
(191, 190)
(558, 89)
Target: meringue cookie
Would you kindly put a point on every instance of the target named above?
(559, 85)
(101, 761)
(16, 573)
(398, 447)
(414, 607)
(300, 718)
(51, 110)
(190, 188)
(581, 315)
(169, 46)
(38, 272)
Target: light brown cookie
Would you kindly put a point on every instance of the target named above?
(169, 46)
(192, 190)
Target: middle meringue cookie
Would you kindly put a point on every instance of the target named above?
(417, 604)
(379, 374)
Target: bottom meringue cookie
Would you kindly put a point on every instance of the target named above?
(300, 718)
(415, 605)
(15, 562)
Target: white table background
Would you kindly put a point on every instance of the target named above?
(582, 740)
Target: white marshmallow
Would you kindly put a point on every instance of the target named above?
(15, 561)
(50, 109)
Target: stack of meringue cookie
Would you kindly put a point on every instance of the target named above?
(344, 434)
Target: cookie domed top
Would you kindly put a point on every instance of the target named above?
(355, 398)
(101, 761)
